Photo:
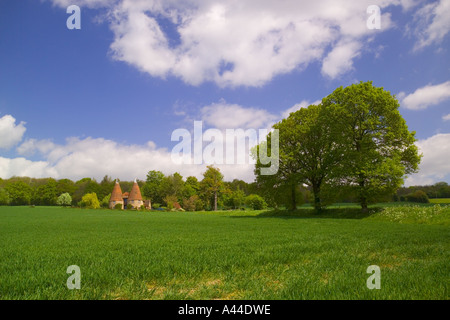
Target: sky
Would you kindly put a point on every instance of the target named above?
(105, 99)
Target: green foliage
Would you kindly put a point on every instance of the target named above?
(19, 193)
(170, 201)
(378, 147)
(64, 200)
(156, 205)
(152, 188)
(189, 204)
(4, 197)
(90, 201)
(46, 194)
(255, 202)
(129, 206)
(418, 196)
(172, 185)
(118, 206)
(105, 201)
(212, 185)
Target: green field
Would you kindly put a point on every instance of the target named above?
(225, 255)
(440, 201)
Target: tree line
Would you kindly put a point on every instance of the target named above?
(165, 191)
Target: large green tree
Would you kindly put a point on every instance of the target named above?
(378, 147)
(308, 155)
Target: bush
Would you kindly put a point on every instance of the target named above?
(105, 201)
(90, 201)
(156, 205)
(64, 200)
(189, 204)
(170, 201)
(418, 196)
(118, 206)
(129, 206)
(255, 202)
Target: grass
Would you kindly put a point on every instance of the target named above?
(440, 201)
(225, 255)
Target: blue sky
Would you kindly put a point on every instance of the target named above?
(105, 99)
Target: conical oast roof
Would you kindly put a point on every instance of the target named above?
(116, 194)
(135, 193)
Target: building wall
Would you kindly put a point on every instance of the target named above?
(136, 203)
(112, 204)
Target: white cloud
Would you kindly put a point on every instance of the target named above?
(10, 133)
(426, 96)
(97, 157)
(340, 59)
(435, 164)
(239, 43)
(229, 116)
(446, 117)
(431, 23)
(298, 106)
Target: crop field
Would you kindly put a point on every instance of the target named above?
(225, 255)
(440, 201)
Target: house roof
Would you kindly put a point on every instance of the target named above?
(135, 193)
(116, 194)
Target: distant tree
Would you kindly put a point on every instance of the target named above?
(65, 186)
(105, 201)
(105, 187)
(418, 196)
(90, 201)
(152, 188)
(4, 198)
(191, 187)
(211, 185)
(172, 185)
(235, 199)
(46, 194)
(64, 200)
(19, 193)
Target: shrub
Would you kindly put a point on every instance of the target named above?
(118, 206)
(189, 204)
(105, 201)
(255, 202)
(418, 196)
(156, 205)
(170, 201)
(64, 200)
(90, 201)
(129, 206)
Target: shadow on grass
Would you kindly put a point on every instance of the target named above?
(310, 213)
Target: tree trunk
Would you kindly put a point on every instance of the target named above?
(363, 197)
(215, 201)
(317, 204)
(293, 200)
